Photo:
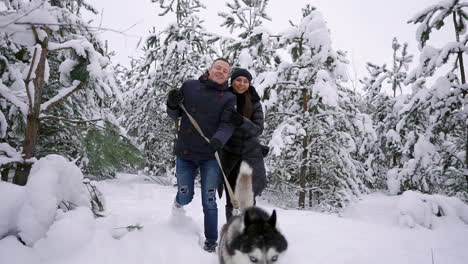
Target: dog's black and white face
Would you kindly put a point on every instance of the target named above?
(257, 256)
(252, 236)
(258, 240)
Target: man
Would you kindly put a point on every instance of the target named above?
(210, 103)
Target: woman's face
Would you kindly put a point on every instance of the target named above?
(240, 84)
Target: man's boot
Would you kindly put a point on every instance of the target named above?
(210, 246)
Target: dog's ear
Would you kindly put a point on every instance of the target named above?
(251, 216)
(272, 220)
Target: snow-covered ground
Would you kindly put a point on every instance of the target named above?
(367, 232)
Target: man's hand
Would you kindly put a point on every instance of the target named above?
(174, 98)
(215, 145)
(236, 118)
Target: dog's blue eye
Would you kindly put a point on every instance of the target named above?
(253, 259)
(274, 258)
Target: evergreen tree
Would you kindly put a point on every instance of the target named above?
(254, 48)
(108, 151)
(55, 75)
(433, 122)
(71, 138)
(171, 57)
(374, 85)
(387, 151)
(316, 129)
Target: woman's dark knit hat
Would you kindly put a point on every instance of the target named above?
(241, 72)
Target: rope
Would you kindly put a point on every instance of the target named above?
(234, 202)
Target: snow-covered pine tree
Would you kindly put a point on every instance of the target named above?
(395, 77)
(254, 48)
(51, 60)
(378, 103)
(400, 66)
(434, 120)
(175, 54)
(314, 144)
(101, 146)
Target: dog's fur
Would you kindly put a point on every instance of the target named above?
(252, 236)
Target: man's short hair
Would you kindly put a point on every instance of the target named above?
(221, 59)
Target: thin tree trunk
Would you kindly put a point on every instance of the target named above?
(460, 53)
(395, 68)
(302, 176)
(32, 120)
(309, 180)
(29, 146)
(5, 171)
(22, 173)
(303, 170)
(310, 198)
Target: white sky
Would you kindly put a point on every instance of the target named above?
(363, 28)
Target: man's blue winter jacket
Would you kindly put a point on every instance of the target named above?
(211, 105)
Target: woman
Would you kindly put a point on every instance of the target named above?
(244, 144)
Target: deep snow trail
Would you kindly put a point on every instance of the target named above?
(367, 233)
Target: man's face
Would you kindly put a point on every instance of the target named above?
(219, 71)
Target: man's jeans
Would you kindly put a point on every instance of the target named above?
(209, 171)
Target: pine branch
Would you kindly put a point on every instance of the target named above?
(7, 94)
(61, 48)
(49, 117)
(60, 98)
(26, 14)
(8, 154)
(81, 27)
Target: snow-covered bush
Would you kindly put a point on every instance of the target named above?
(12, 197)
(54, 185)
(422, 209)
(70, 232)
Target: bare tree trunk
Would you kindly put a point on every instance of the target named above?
(21, 174)
(466, 154)
(303, 170)
(302, 176)
(29, 146)
(462, 68)
(460, 53)
(395, 68)
(310, 198)
(32, 120)
(5, 171)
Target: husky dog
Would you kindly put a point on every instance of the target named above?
(250, 237)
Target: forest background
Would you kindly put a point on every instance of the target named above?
(402, 126)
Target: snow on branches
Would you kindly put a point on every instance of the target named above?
(433, 17)
(48, 55)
